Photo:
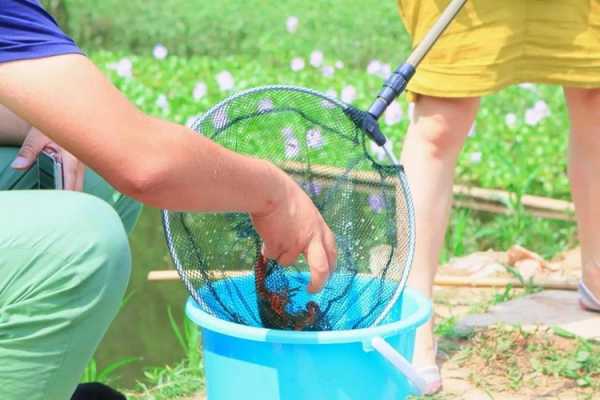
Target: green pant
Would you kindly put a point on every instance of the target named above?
(64, 268)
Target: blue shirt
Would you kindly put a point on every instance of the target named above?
(27, 31)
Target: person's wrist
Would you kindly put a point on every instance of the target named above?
(276, 190)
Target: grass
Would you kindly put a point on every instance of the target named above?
(353, 31)
(183, 379)
(251, 42)
(512, 359)
(517, 159)
(521, 168)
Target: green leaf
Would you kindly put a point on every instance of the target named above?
(558, 331)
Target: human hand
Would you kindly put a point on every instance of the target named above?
(34, 143)
(294, 226)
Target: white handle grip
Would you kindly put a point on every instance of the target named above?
(399, 362)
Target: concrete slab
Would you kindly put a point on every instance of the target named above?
(548, 308)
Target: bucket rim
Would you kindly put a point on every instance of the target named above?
(413, 321)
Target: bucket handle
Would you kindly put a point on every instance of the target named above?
(399, 362)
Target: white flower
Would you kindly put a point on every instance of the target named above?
(326, 103)
(292, 24)
(385, 71)
(191, 121)
(475, 157)
(393, 114)
(316, 58)
(472, 131)
(123, 68)
(537, 113)
(162, 102)
(292, 147)
(220, 119)
(339, 64)
(265, 105)
(542, 107)
(528, 86)
(379, 151)
(314, 139)
(225, 80)
(511, 120)
(291, 144)
(531, 117)
(374, 67)
(348, 94)
(376, 202)
(328, 71)
(297, 64)
(199, 90)
(287, 132)
(160, 52)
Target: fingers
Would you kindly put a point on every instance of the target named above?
(289, 257)
(285, 257)
(318, 264)
(69, 165)
(270, 251)
(80, 177)
(31, 147)
(73, 171)
(330, 248)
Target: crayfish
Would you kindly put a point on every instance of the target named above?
(273, 306)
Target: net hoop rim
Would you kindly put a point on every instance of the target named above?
(201, 119)
(261, 334)
(407, 267)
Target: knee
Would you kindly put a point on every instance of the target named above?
(96, 246)
(584, 110)
(443, 124)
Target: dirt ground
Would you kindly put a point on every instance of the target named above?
(467, 375)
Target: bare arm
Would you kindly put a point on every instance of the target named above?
(164, 164)
(160, 163)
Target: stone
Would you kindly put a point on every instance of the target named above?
(545, 309)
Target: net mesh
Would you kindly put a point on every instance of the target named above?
(365, 202)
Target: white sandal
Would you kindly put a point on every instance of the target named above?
(433, 379)
(432, 376)
(587, 300)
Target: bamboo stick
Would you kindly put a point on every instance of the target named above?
(480, 199)
(173, 275)
(541, 206)
(449, 281)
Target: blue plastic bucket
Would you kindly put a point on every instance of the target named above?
(243, 362)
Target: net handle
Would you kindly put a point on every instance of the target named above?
(398, 81)
(436, 31)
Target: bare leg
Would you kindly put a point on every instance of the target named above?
(584, 174)
(433, 143)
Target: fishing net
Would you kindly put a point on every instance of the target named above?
(361, 193)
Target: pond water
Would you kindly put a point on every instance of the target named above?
(142, 328)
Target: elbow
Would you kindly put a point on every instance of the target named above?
(144, 182)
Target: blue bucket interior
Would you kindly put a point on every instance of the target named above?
(357, 303)
(243, 361)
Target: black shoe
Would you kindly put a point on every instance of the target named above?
(96, 391)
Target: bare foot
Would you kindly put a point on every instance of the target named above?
(425, 351)
(424, 359)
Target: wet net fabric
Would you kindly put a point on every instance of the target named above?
(362, 197)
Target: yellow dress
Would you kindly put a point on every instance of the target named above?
(495, 43)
